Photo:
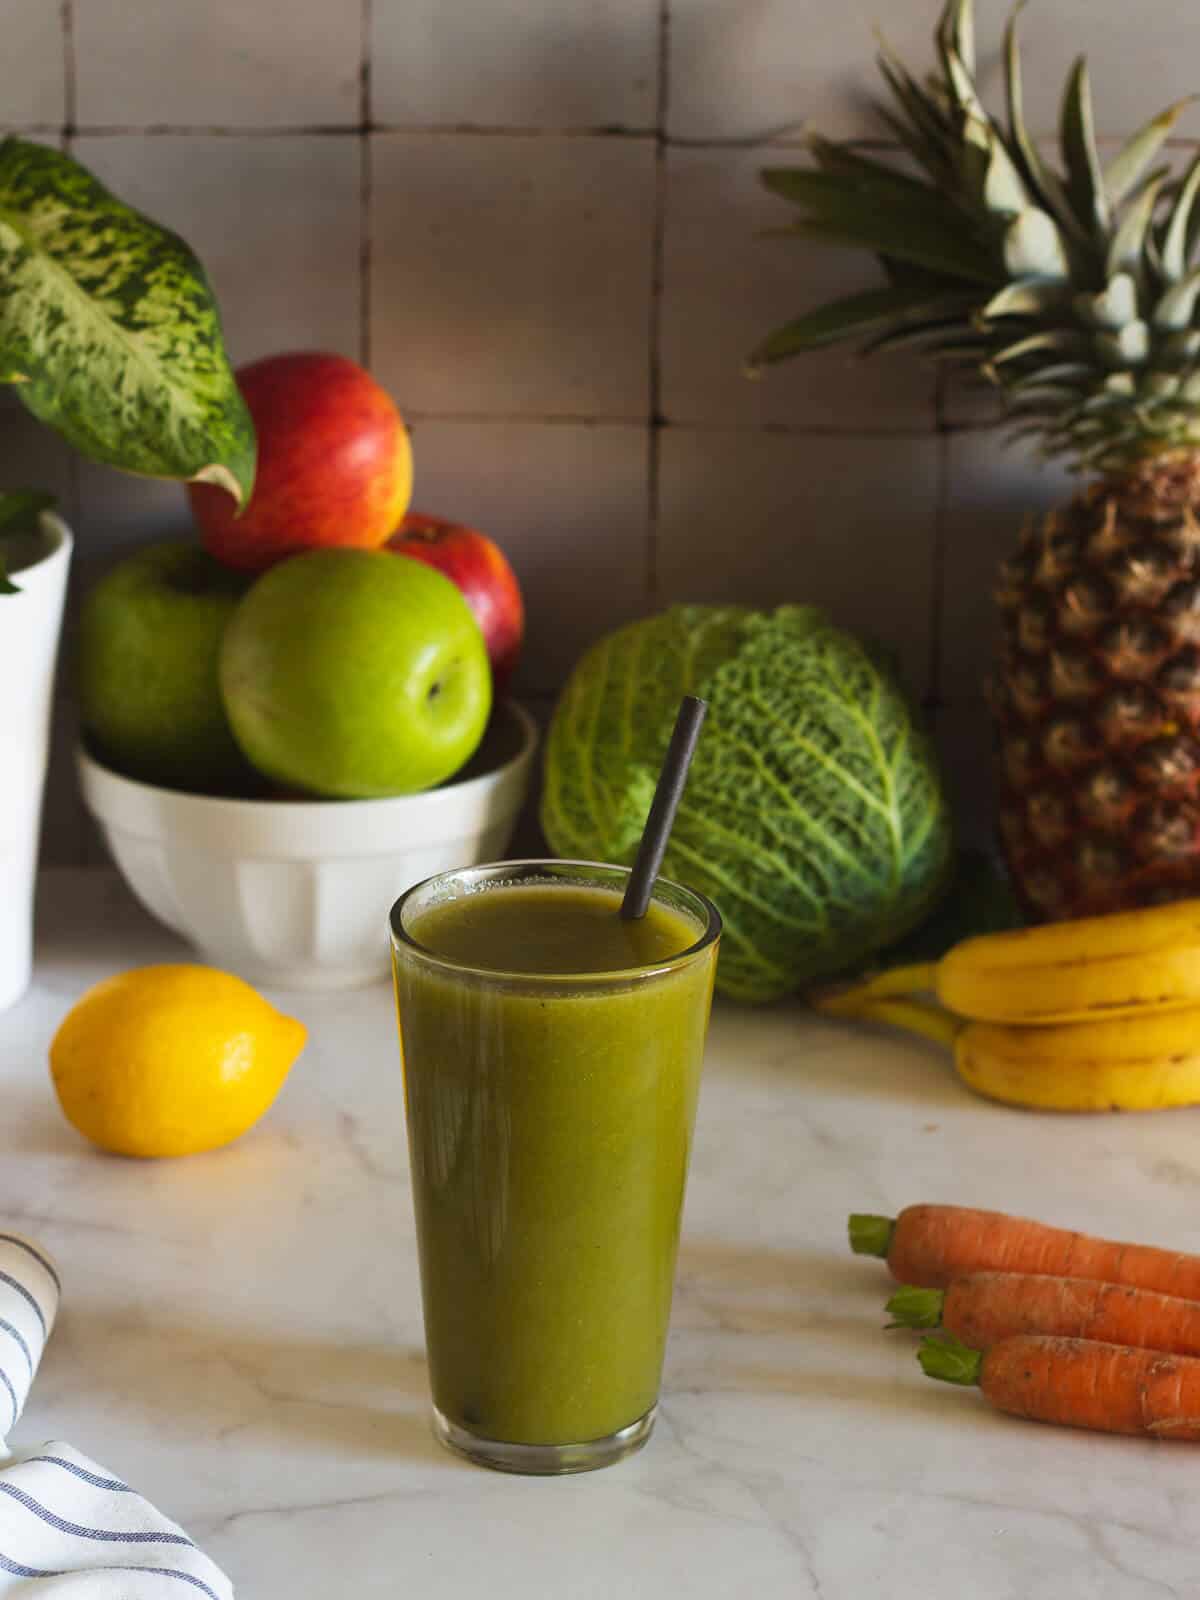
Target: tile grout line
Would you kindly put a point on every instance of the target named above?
(654, 326)
(365, 200)
(937, 555)
(66, 14)
(286, 130)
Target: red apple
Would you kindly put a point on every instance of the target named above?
(479, 567)
(334, 464)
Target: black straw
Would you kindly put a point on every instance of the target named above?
(667, 795)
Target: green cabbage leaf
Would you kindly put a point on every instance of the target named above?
(814, 814)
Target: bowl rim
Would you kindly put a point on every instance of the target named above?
(94, 772)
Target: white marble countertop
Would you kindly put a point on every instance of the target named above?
(241, 1332)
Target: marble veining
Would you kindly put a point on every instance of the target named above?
(241, 1333)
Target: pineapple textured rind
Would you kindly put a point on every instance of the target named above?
(1097, 700)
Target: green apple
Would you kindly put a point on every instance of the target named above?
(149, 636)
(349, 673)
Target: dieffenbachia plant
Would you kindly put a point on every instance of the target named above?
(109, 331)
(19, 513)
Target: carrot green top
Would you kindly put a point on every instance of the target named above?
(950, 1361)
(870, 1235)
(911, 1307)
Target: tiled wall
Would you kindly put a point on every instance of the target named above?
(539, 222)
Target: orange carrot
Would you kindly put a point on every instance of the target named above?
(986, 1307)
(931, 1245)
(1079, 1383)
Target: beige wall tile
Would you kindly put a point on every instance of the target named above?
(767, 519)
(515, 63)
(512, 275)
(32, 456)
(963, 733)
(275, 222)
(740, 71)
(118, 513)
(267, 63)
(725, 287)
(990, 489)
(567, 504)
(31, 62)
(528, 838)
(749, 71)
(65, 824)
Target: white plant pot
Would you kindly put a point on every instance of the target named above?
(29, 628)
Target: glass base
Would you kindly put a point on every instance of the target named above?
(544, 1460)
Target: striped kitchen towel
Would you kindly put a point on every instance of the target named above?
(29, 1289)
(62, 1517)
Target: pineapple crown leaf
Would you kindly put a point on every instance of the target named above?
(1139, 150)
(1071, 289)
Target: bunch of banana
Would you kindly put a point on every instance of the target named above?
(1095, 1015)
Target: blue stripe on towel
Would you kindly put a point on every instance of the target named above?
(16, 1409)
(63, 1526)
(18, 1571)
(25, 1295)
(114, 1484)
(42, 1261)
(7, 1327)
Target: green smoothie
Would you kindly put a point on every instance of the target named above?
(551, 1076)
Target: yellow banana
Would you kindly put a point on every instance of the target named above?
(1067, 971)
(1144, 1062)
(1136, 1063)
(1095, 968)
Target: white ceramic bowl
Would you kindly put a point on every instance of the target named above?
(295, 893)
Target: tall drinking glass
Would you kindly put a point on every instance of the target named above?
(551, 1059)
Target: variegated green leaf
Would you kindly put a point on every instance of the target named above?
(1175, 241)
(1136, 154)
(109, 324)
(19, 513)
(1085, 182)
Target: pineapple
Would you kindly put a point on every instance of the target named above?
(1076, 292)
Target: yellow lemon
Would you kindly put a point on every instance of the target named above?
(171, 1060)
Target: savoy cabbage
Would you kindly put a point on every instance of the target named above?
(814, 814)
